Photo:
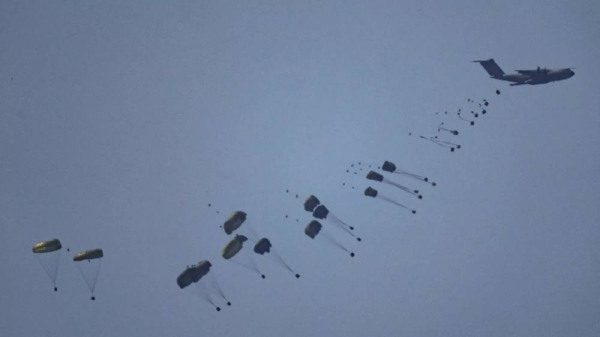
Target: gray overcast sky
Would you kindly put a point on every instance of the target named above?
(121, 121)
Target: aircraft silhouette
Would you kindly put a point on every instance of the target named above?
(531, 77)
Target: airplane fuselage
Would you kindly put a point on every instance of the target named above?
(531, 77)
(538, 78)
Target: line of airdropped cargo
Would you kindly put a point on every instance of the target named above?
(475, 108)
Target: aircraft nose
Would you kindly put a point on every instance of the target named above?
(571, 73)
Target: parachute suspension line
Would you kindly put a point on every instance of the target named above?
(253, 233)
(206, 295)
(97, 275)
(215, 284)
(201, 291)
(435, 141)
(90, 276)
(441, 128)
(56, 263)
(254, 266)
(339, 221)
(217, 287)
(342, 225)
(464, 119)
(416, 176)
(280, 259)
(454, 145)
(396, 203)
(447, 143)
(410, 175)
(334, 242)
(244, 265)
(404, 188)
(52, 269)
(347, 229)
(442, 144)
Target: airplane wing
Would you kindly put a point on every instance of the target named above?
(527, 72)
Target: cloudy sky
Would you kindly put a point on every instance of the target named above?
(121, 121)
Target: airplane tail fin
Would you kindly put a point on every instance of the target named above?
(491, 67)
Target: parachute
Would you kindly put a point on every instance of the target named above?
(388, 166)
(235, 220)
(193, 278)
(264, 246)
(378, 177)
(193, 274)
(321, 212)
(89, 270)
(314, 228)
(310, 203)
(373, 193)
(48, 254)
(313, 205)
(233, 247)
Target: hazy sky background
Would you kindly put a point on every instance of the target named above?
(121, 121)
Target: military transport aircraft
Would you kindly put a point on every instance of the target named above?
(532, 77)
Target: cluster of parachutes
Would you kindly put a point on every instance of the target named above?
(475, 108)
(313, 205)
(88, 262)
(388, 167)
(198, 278)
